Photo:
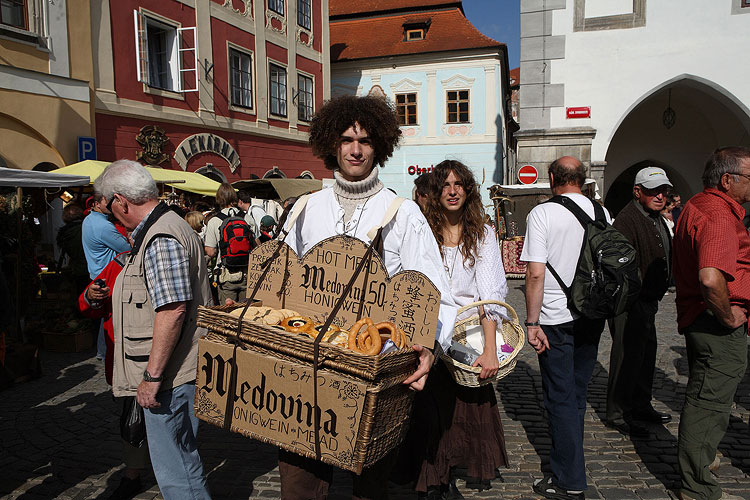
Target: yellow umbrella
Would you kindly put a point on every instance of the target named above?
(194, 183)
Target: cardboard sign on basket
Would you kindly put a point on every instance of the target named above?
(312, 285)
(257, 380)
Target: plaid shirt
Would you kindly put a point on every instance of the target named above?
(167, 270)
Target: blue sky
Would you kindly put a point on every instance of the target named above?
(498, 19)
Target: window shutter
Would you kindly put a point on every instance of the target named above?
(141, 47)
(187, 59)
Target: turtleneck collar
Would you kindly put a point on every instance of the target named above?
(357, 190)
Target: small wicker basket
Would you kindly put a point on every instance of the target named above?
(512, 334)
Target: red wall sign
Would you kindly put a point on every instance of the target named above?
(527, 174)
(579, 112)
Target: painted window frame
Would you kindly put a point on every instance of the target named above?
(405, 106)
(309, 97)
(410, 31)
(277, 6)
(458, 102)
(281, 96)
(242, 52)
(304, 13)
(745, 3)
(24, 5)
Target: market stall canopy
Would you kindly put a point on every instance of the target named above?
(193, 183)
(280, 189)
(31, 178)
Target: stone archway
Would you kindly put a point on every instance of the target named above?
(706, 117)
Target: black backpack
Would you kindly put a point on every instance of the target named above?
(607, 279)
(235, 241)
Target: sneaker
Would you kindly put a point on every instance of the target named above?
(547, 489)
(127, 489)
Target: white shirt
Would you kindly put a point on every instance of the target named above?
(408, 242)
(485, 280)
(554, 235)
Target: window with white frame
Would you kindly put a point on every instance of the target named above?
(277, 6)
(13, 13)
(457, 106)
(304, 13)
(166, 56)
(277, 87)
(240, 66)
(305, 108)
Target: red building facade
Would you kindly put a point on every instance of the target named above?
(226, 86)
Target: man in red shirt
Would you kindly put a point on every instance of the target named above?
(712, 275)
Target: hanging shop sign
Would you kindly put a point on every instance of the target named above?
(206, 143)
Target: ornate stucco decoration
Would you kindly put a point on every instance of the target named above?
(248, 7)
(280, 24)
(152, 139)
(309, 36)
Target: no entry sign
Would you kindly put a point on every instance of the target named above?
(527, 174)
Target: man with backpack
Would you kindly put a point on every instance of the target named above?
(229, 238)
(633, 355)
(565, 341)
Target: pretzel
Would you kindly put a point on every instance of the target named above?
(388, 330)
(404, 339)
(299, 324)
(369, 341)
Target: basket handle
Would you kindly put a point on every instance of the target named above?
(507, 307)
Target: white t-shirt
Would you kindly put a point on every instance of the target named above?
(554, 235)
(408, 242)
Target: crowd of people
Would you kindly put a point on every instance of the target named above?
(162, 273)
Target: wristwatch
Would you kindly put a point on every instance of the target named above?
(148, 378)
(531, 323)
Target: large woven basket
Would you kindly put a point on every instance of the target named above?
(372, 368)
(387, 406)
(512, 334)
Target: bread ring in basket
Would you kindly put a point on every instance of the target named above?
(368, 342)
(388, 330)
(299, 324)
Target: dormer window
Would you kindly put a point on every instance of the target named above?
(416, 29)
(417, 34)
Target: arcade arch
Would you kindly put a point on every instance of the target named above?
(706, 117)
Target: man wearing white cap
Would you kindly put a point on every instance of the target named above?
(633, 355)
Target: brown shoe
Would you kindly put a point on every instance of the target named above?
(715, 464)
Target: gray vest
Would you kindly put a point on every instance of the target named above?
(133, 314)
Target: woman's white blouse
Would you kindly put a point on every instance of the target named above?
(485, 280)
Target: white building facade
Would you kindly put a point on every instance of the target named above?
(625, 83)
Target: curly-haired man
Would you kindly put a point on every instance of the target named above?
(353, 136)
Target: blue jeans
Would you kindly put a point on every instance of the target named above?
(566, 369)
(172, 431)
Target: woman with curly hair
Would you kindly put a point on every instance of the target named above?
(470, 434)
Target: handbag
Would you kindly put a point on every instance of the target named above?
(132, 422)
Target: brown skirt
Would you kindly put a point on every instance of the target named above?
(452, 427)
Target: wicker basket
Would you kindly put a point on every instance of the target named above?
(387, 406)
(371, 368)
(512, 334)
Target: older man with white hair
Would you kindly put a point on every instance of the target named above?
(155, 303)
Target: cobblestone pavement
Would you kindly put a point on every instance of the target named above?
(59, 435)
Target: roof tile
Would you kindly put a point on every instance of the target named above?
(384, 36)
(347, 7)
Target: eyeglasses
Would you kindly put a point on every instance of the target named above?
(746, 176)
(109, 205)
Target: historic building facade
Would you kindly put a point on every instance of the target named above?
(623, 83)
(449, 83)
(222, 87)
(45, 74)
